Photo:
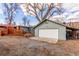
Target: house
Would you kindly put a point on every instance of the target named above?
(26, 29)
(74, 33)
(73, 24)
(55, 30)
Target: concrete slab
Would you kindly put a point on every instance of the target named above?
(49, 40)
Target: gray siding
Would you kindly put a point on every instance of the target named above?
(51, 25)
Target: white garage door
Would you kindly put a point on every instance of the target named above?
(48, 33)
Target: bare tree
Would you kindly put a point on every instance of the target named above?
(14, 23)
(41, 10)
(24, 20)
(10, 11)
(28, 25)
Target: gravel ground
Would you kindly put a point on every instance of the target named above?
(21, 46)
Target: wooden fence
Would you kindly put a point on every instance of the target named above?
(15, 31)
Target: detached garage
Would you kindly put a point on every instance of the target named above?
(50, 29)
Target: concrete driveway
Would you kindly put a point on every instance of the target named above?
(49, 40)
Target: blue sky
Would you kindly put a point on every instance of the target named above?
(18, 17)
(72, 11)
(21, 14)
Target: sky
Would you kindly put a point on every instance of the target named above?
(18, 18)
(71, 11)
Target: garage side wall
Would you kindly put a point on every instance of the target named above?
(51, 25)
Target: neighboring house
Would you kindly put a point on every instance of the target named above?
(26, 29)
(75, 26)
(52, 29)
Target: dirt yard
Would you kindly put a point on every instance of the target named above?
(21, 46)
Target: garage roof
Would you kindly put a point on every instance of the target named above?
(50, 21)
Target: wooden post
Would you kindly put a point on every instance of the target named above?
(76, 34)
(0, 33)
(18, 28)
(73, 34)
